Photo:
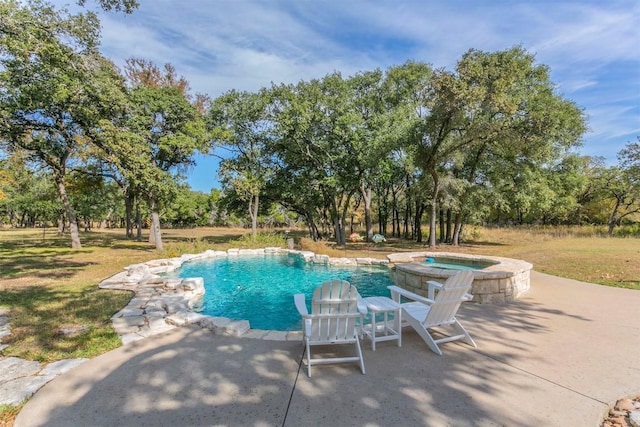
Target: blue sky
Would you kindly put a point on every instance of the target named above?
(591, 46)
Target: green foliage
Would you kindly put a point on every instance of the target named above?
(472, 233)
(126, 6)
(329, 144)
(631, 230)
(56, 87)
(171, 131)
(154, 143)
(29, 195)
(188, 209)
(189, 246)
(320, 247)
(487, 141)
(240, 123)
(261, 240)
(94, 197)
(499, 113)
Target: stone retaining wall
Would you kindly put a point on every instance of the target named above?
(504, 279)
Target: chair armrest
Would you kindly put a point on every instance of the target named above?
(433, 283)
(397, 292)
(301, 305)
(362, 305)
(433, 286)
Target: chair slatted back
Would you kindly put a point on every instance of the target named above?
(334, 310)
(448, 299)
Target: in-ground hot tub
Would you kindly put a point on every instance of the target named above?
(496, 279)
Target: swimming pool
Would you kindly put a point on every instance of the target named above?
(260, 288)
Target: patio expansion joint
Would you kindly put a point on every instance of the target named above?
(542, 378)
(293, 389)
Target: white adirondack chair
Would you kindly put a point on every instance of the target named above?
(336, 308)
(439, 310)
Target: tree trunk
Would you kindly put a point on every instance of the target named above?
(612, 217)
(128, 209)
(138, 222)
(383, 210)
(457, 229)
(339, 223)
(343, 222)
(395, 216)
(407, 212)
(254, 201)
(60, 231)
(155, 236)
(417, 223)
(313, 228)
(339, 231)
(71, 214)
(366, 196)
(434, 210)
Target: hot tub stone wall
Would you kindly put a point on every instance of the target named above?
(504, 280)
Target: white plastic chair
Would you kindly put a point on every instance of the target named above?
(438, 310)
(336, 312)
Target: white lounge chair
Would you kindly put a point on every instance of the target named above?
(336, 308)
(438, 310)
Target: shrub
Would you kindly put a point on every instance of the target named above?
(192, 246)
(262, 240)
(631, 230)
(319, 247)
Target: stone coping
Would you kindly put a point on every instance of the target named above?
(162, 303)
(496, 267)
(20, 378)
(501, 279)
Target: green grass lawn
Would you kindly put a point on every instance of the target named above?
(46, 286)
(602, 260)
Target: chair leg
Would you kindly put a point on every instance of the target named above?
(308, 358)
(424, 334)
(461, 330)
(360, 355)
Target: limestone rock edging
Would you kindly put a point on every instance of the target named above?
(20, 379)
(162, 303)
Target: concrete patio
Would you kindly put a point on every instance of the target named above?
(558, 356)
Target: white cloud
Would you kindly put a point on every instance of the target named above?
(590, 46)
(595, 35)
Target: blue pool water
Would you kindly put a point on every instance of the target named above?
(260, 288)
(454, 265)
